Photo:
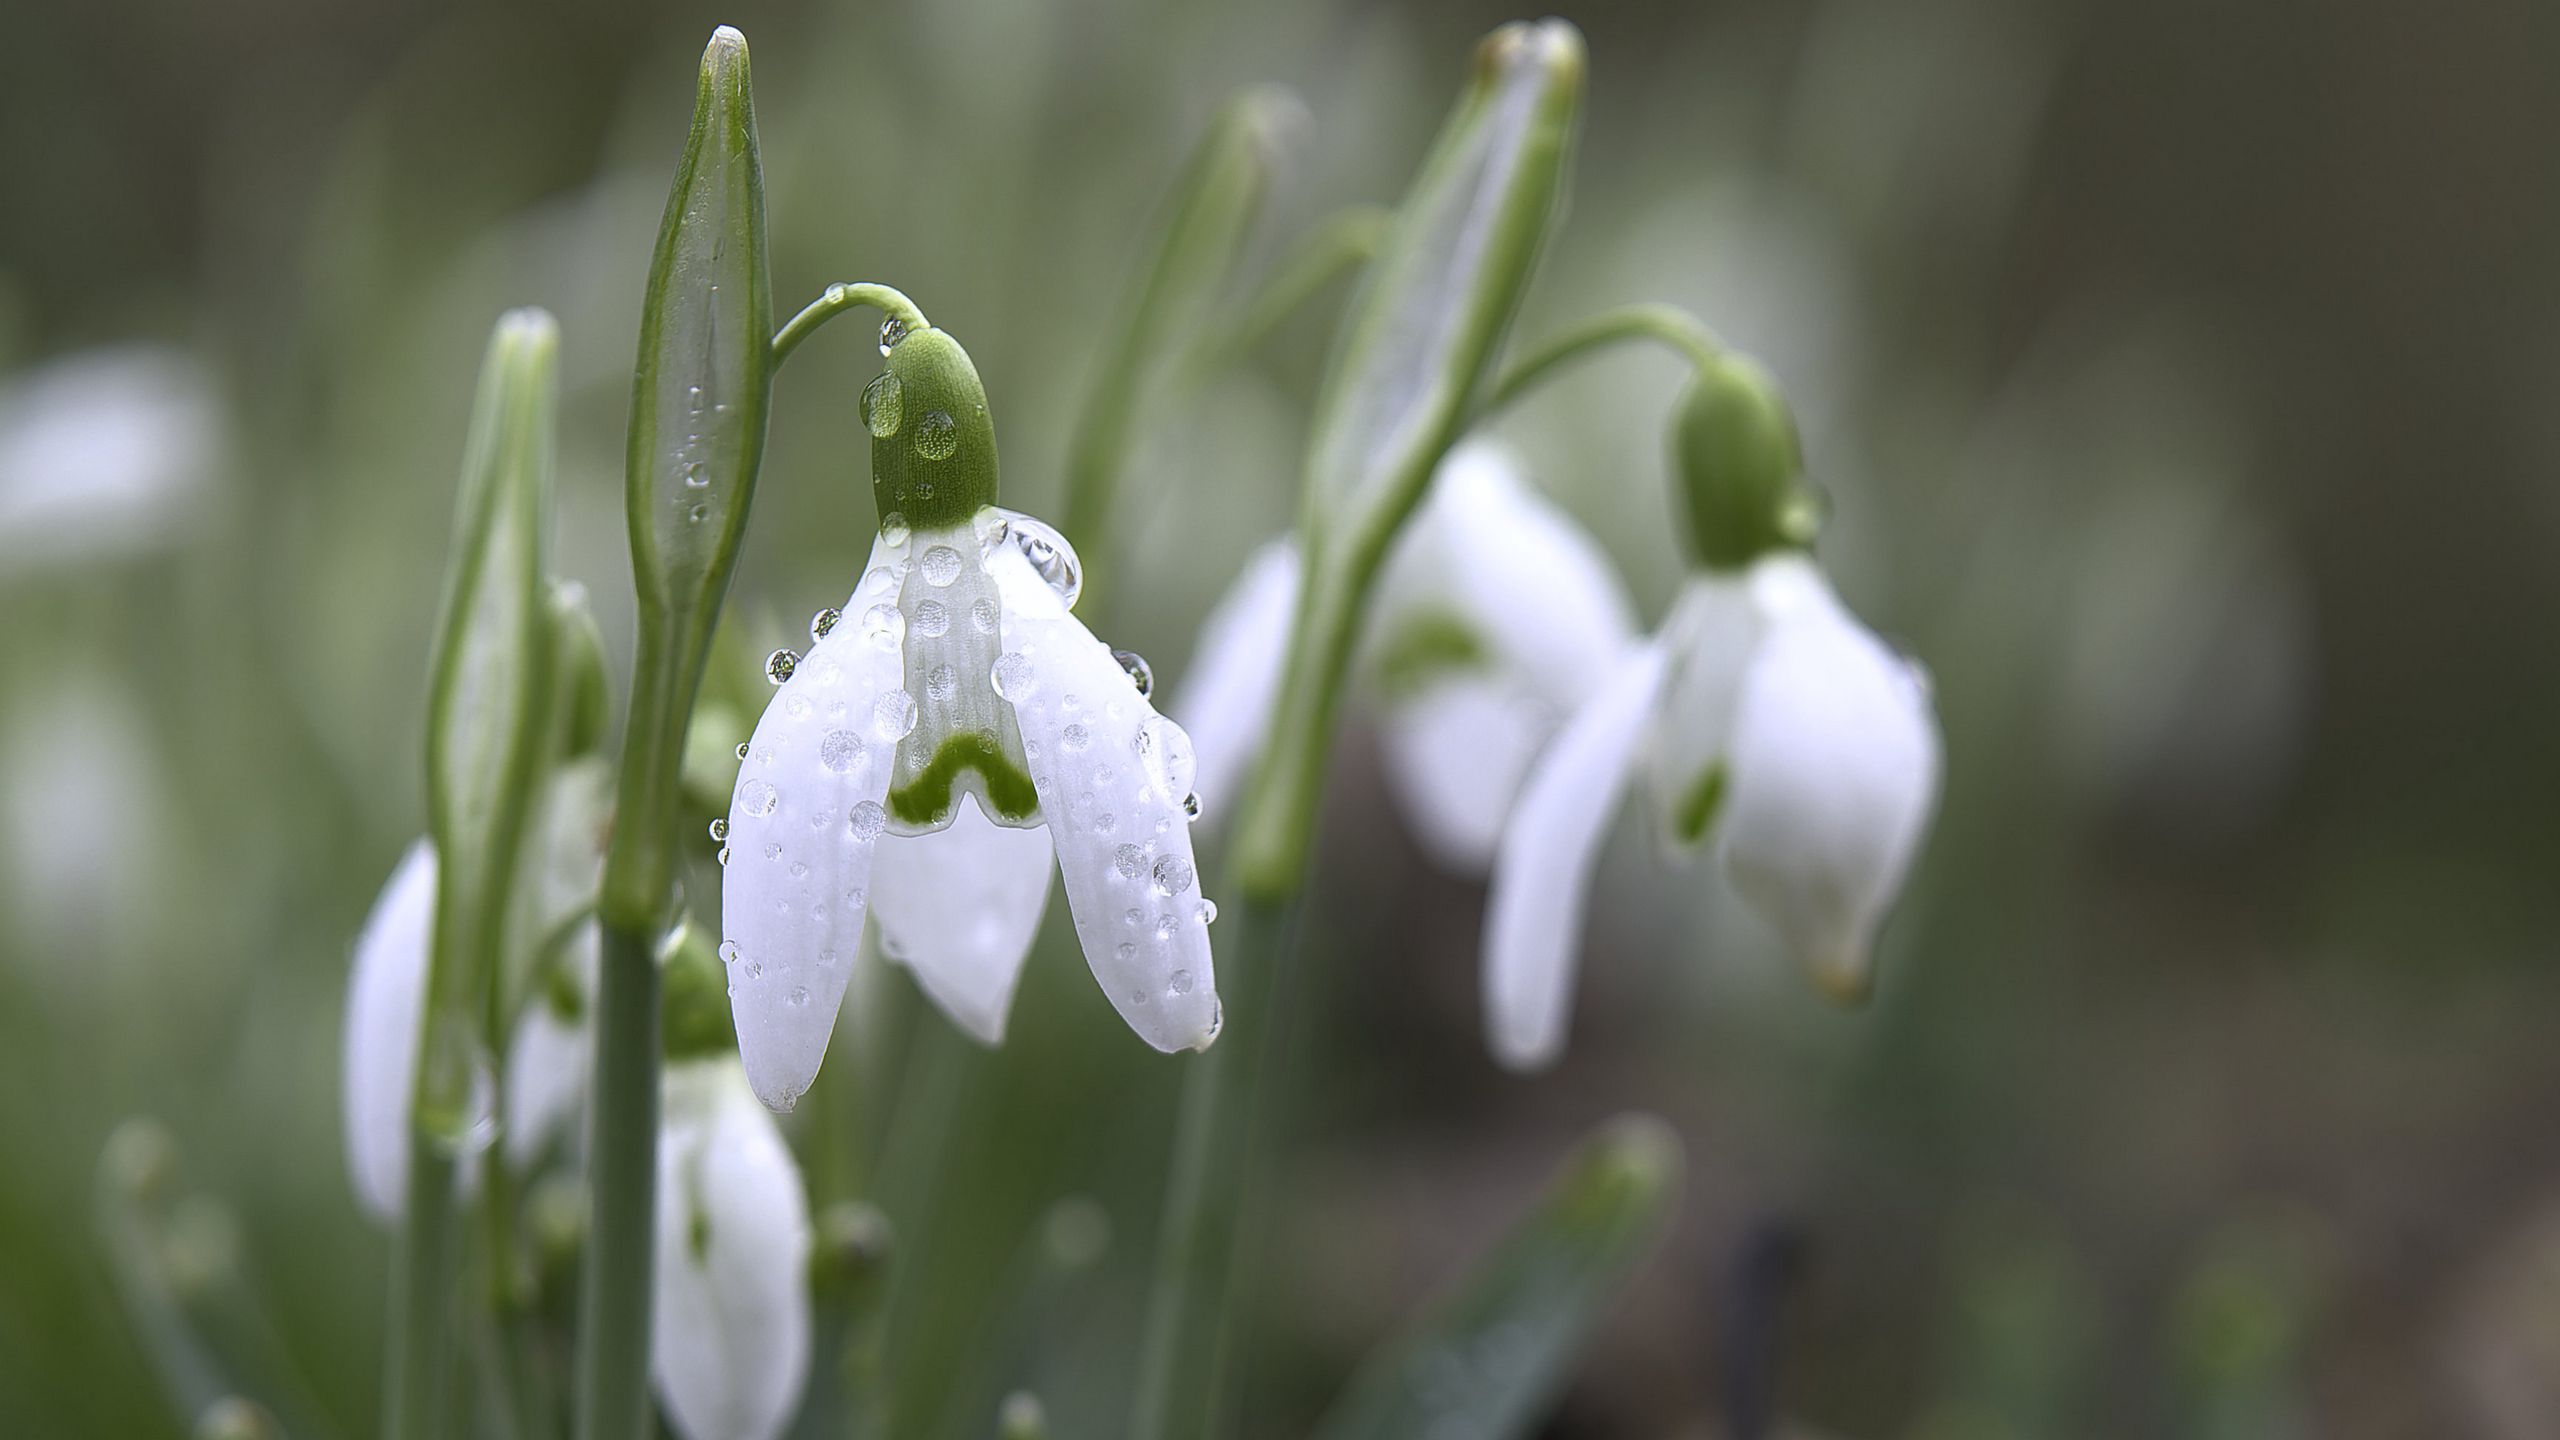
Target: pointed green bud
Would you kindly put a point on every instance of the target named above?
(1422, 333)
(1209, 213)
(585, 695)
(490, 703)
(933, 446)
(693, 1021)
(1733, 445)
(698, 401)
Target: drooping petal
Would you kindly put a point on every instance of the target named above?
(1835, 772)
(803, 822)
(548, 1059)
(1542, 590)
(1234, 679)
(1542, 876)
(1708, 642)
(729, 1342)
(960, 906)
(1456, 756)
(1112, 776)
(386, 993)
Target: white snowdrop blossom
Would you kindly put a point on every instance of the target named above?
(952, 730)
(1763, 715)
(386, 995)
(729, 1307)
(103, 453)
(1495, 616)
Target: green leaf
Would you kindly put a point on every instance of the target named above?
(1489, 1358)
(1209, 213)
(490, 704)
(1431, 312)
(698, 400)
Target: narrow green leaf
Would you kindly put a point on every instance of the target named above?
(1489, 1358)
(1208, 215)
(698, 401)
(1431, 312)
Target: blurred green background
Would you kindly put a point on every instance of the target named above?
(2179, 378)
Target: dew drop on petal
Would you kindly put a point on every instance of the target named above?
(758, 798)
(893, 528)
(941, 565)
(1140, 673)
(1208, 912)
(1179, 982)
(742, 749)
(893, 716)
(983, 615)
(1074, 738)
(868, 819)
(884, 627)
(1191, 807)
(1173, 874)
(824, 621)
(840, 750)
(720, 830)
(932, 620)
(723, 856)
(779, 665)
(937, 438)
(799, 996)
(1051, 557)
(729, 952)
(1129, 860)
(1012, 675)
(1166, 752)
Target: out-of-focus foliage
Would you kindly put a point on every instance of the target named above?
(2176, 376)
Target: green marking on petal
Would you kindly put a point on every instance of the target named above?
(1427, 648)
(1699, 806)
(927, 798)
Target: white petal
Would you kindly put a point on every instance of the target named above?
(1233, 681)
(1539, 587)
(802, 825)
(385, 994)
(1112, 776)
(548, 1060)
(1456, 756)
(1708, 640)
(1835, 772)
(103, 453)
(960, 907)
(729, 1338)
(1543, 874)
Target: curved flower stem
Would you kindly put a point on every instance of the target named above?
(836, 300)
(1668, 324)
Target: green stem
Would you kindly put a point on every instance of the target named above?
(836, 300)
(415, 1406)
(613, 1358)
(1183, 1355)
(1668, 324)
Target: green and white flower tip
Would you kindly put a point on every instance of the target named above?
(729, 1333)
(1495, 616)
(1763, 717)
(951, 712)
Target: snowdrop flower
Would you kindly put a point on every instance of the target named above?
(1763, 716)
(104, 453)
(952, 728)
(386, 992)
(1495, 615)
(729, 1338)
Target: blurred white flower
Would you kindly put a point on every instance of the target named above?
(1494, 617)
(104, 453)
(83, 807)
(729, 1333)
(386, 995)
(1764, 714)
(946, 737)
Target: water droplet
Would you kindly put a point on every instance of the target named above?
(696, 476)
(799, 869)
(892, 330)
(758, 798)
(1075, 738)
(796, 706)
(940, 681)
(742, 749)
(1208, 912)
(1137, 997)
(1165, 751)
(1012, 675)
(884, 406)
(1133, 916)
(723, 856)
(867, 821)
(1104, 822)
(696, 515)
(1127, 951)
(1179, 982)
(799, 996)
(1190, 807)
(720, 830)
(893, 528)
(1173, 874)
(693, 397)
(983, 615)
(773, 850)
(779, 665)
(941, 565)
(932, 620)
(840, 750)
(1051, 557)
(729, 952)
(1141, 674)
(894, 715)
(1129, 860)
(937, 438)
(823, 622)
(1166, 925)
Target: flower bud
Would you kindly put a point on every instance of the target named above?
(1733, 445)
